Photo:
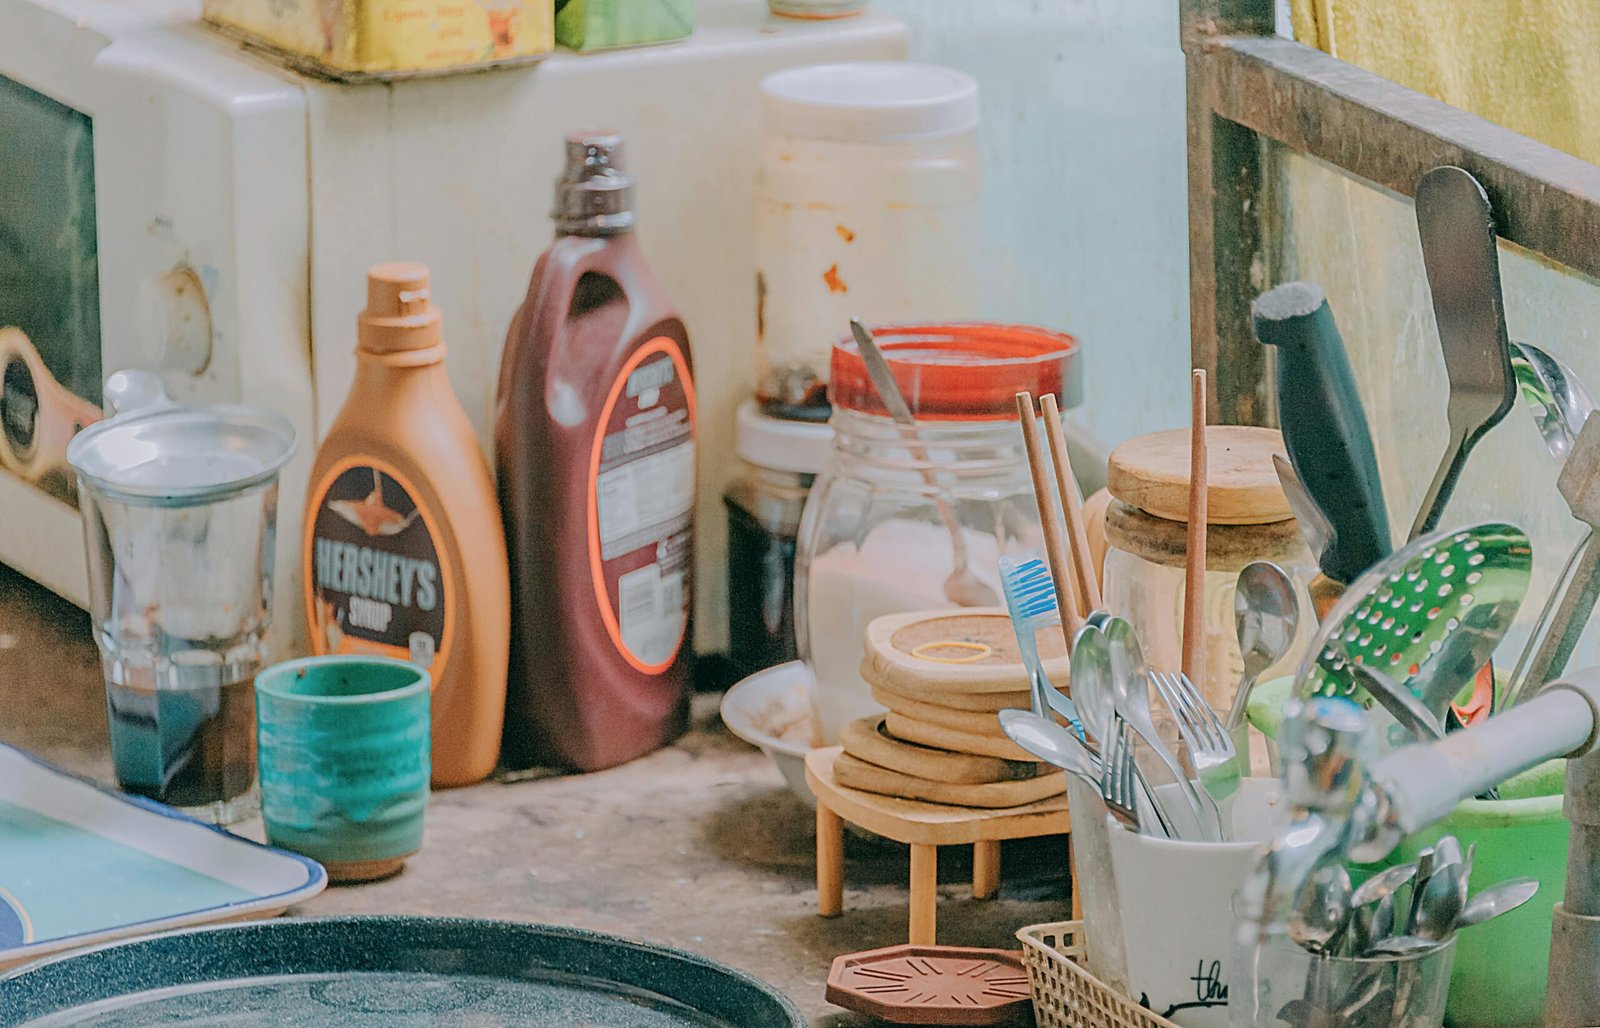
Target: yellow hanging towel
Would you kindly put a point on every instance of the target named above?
(1532, 66)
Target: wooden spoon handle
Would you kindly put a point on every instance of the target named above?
(1194, 582)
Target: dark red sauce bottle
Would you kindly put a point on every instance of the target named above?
(595, 454)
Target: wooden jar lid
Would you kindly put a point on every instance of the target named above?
(926, 653)
(1228, 547)
(1151, 472)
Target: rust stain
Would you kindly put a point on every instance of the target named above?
(845, 234)
(835, 283)
(761, 305)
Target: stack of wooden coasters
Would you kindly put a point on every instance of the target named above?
(943, 677)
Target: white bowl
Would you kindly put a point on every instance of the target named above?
(771, 710)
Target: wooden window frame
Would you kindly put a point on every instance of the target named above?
(1248, 87)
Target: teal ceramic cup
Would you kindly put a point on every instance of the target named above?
(344, 761)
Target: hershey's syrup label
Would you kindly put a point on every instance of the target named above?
(377, 579)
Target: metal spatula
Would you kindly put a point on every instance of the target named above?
(1428, 616)
(1456, 226)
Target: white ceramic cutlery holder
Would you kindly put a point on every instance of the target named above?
(1176, 903)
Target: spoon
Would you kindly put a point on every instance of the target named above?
(1424, 870)
(1050, 742)
(1383, 918)
(1375, 1013)
(1130, 694)
(1498, 899)
(1403, 945)
(1441, 902)
(1446, 851)
(1361, 935)
(1552, 391)
(1322, 913)
(1363, 995)
(1266, 616)
(1091, 679)
(963, 588)
(1057, 746)
(1385, 883)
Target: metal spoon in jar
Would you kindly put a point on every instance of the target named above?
(1501, 898)
(963, 588)
(1319, 920)
(1266, 616)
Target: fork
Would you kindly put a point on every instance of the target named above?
(1211, 749)
(1117, 776)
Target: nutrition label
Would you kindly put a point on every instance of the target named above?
(645, 499)
(643, 506)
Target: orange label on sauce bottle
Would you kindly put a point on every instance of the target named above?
(640, 506)
(377, 579)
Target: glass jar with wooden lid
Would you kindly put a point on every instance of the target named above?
(1146, 535)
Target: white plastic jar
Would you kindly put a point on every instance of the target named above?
(867, 206)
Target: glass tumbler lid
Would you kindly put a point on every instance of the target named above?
(159, 452)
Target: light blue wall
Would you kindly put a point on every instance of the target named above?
(1084, 184)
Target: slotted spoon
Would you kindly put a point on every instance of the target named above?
(1428, 616)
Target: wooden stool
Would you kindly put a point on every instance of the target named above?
(925, 827)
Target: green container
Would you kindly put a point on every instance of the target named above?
(608, 24)
(1501, 965)
(344, 756)
(1499, 977)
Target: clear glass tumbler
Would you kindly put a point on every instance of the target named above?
(179, 511)
(1277, 983)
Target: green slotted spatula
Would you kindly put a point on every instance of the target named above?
(1429, 615)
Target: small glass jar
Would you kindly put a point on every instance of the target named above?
(779, 460)
(879, 532)
(1146, 552)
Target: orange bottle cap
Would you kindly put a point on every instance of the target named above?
(400, 314)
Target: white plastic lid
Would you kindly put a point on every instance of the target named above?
(799, 446)
(870, 101)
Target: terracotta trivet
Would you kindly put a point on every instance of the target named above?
(934, 985)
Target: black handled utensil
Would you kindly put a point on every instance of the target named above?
(1325, 426)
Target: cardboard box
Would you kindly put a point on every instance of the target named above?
(351, 40)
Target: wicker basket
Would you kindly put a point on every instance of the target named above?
(1065, 995)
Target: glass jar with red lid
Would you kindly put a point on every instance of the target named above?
(898, 512)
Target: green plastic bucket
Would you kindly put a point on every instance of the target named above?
(1499, 975)
(1500, 969)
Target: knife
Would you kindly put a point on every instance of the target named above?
(1318, 534)
(1325, 426)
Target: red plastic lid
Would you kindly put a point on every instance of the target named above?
(963, 372)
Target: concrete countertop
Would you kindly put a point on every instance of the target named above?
(698, 846)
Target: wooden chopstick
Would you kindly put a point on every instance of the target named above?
(1194, 579)
(1055, 547)
(1087, 582)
